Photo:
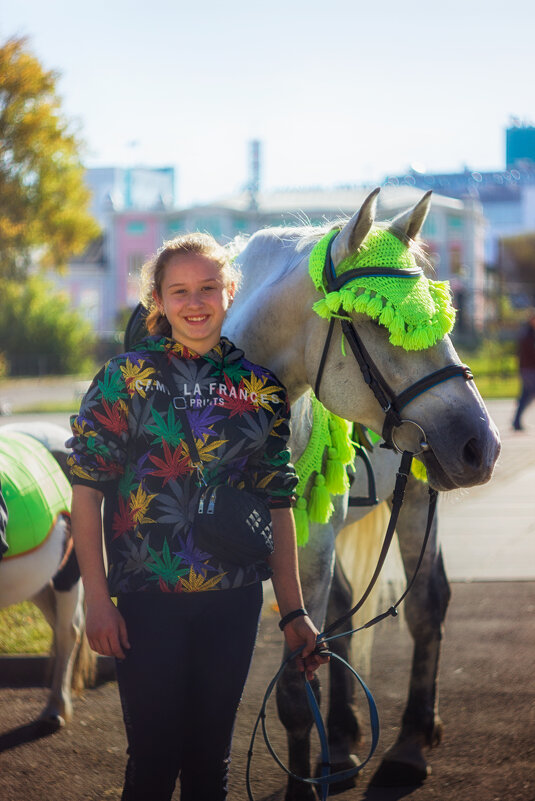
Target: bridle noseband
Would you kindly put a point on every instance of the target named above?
(390, 402)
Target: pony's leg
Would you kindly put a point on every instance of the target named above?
(425, 609)
(315, 569)
(64, 611)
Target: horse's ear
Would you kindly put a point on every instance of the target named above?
(410, 222)
(356, 230)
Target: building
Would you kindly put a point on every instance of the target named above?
(96, 288)
(137, 216)
(123, 188)
(453, 233)
(507, 197)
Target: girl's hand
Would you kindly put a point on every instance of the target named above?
(302, 631)
(106, 629)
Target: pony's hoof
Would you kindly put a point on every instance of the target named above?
(345, 784)
(399, 774)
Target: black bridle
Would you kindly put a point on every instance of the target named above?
(390, 402)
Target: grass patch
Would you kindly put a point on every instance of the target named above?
(50, 407)
(495, 368)
(494, 387)
(24, 630)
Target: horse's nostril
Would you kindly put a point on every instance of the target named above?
(472, 453)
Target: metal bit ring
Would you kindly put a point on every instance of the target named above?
(424, 445)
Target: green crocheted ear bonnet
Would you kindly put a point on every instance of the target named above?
(417, 311)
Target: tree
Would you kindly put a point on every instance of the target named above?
(39, 331)
(43, 199)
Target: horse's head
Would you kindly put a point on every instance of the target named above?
(377, 350)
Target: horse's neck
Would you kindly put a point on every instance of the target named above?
(269, 320)
(301, 425)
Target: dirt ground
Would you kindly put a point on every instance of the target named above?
(487, 705)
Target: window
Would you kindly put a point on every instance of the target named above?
(136, 227)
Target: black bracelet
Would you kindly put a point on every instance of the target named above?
(291, 616)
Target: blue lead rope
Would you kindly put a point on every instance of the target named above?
(326, 778)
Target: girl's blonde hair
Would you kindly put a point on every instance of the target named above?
(153, 270)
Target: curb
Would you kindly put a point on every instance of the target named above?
(31, 670)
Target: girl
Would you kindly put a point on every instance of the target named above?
(185, 623)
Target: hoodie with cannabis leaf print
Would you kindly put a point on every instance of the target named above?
(128, 442)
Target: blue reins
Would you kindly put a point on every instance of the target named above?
(326, 777)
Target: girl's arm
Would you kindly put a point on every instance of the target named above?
(283, 561)
(105, 626)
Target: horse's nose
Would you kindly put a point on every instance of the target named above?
(480, 452)
(473, 453)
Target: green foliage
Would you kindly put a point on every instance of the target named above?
(495, 367)
(23, 630)
(491, 357)
(43, 198)
(39, 331)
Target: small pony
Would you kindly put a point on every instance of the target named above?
(40, 564)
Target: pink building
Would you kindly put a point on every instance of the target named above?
(134, 237)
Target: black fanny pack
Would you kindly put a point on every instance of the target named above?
(233, 525)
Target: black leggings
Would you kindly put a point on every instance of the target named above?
(180, 687)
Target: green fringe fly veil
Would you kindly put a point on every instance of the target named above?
(322, 468)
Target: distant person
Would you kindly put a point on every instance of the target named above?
(526, 363)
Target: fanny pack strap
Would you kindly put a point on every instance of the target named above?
(169, 380)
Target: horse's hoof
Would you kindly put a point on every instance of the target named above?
(345, 784)
(51, 723)
(299, 791)
(399, 774)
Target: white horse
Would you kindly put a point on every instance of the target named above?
(273, 320)
(49, 577)
(359, 532)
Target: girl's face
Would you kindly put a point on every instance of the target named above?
(194, 298)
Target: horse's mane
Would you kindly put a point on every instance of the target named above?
(303, 237)
(298, 238)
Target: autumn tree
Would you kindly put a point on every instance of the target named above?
(44, 214)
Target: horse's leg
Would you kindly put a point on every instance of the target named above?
(342, 722)
(358, 545)
(425, 609)
(315, 569)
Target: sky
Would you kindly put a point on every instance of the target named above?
(337, 91)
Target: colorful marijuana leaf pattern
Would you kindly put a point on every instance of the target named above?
(173, 464)
(166, 429)
(135, 377)
(128, 440)
(196, 582)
